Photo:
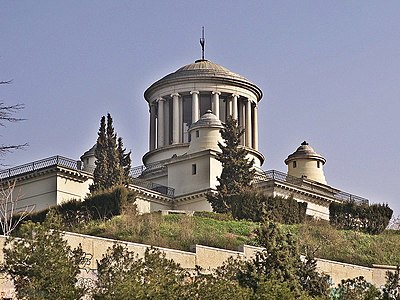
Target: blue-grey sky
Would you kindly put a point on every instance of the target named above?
(329, 70)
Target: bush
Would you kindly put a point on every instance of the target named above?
(100, 206)
(213, 215)
(371, 219)
(256, 206)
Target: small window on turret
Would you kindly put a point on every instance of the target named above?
(294, 164)
(197, 133)
(194, 169)
(318, 164)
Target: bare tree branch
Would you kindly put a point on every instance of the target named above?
(7, 112)
(10, 148)
(6, 82)
(10, 214)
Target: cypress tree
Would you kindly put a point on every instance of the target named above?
(125, 160)
(115, 171)
(237, 171)
(101, 170)
(112, 163)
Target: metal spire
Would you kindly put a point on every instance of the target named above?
(202, 42)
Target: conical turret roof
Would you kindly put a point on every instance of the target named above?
(305, 151)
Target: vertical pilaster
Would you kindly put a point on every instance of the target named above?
(175, 116)
(195, 106)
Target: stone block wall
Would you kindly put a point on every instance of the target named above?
(207, 258)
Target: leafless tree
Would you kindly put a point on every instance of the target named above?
(7, 115)
(10, 214)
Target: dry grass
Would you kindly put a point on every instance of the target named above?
(181, 232)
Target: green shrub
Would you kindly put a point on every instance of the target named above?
(213, 215)
(100, 206)
(256, 206)
(371, 219)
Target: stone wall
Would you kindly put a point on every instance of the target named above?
(208, 258)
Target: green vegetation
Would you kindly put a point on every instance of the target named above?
(276, 274)
(237, 171)
(112, 163)
(172, 231)
(219, 230)
(372, 219)
(41, 264)
(99, 206)
(256, 206)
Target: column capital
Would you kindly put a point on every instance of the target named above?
(160, 99)
(175, 95)
(235, 95)
(216, 93)
(194, 92)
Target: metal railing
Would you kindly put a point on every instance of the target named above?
(77, 165)
(139, 170)
(309, 185)
(162, 189)
(41, 164)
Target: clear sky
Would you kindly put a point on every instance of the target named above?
(329, 70)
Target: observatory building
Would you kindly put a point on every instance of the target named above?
(187, 109)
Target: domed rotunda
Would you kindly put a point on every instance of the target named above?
(177, 100)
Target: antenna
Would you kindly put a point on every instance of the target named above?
(202, 42)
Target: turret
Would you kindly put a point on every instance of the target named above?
(89, 160)
(306, 163)
(204, 134)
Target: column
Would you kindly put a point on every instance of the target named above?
(195, 106)
(152, 143)
(175, 118)
(160, 123)
(248, 124)
(180, 100)
(215, 103)
(242, 122)
(255, 127)
(228, 107)
(234, 104)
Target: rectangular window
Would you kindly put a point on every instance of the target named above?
(194, 169)
(197, 133)
(294, 164)
(318, 165)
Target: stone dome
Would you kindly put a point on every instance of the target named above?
(89, 153)
(305, 151)
(207, 120)
(204, 69)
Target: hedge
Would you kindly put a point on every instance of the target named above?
(372, 219)
(256, 206)
(102, 205)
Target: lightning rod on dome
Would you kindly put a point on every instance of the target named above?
(202, 42)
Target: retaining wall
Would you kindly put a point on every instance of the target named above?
(206, 257)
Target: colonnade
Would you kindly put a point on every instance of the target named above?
(169, 120)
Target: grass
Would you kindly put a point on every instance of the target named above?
(209, 229)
